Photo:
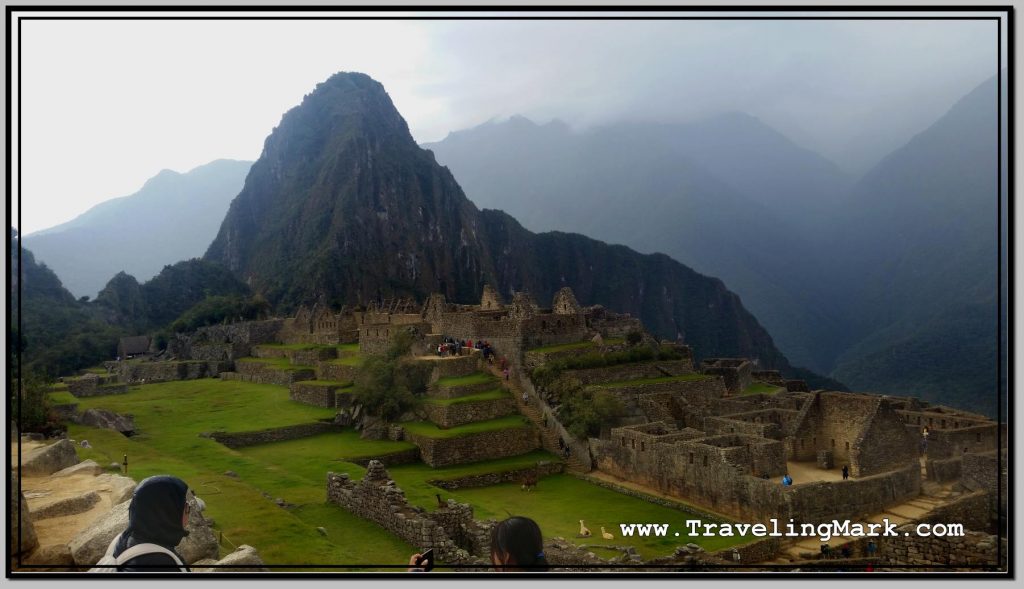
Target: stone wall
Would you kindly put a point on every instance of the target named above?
(761, 550)
(88, 386)
(457, 366)
(336, 372)
(278, 434)
(631, 371)
(541, 469)
(578, 448)
(451, 532)
(455, 414)
(313, 393)
(488, 445)
(137, 372)
(942, 471)
(690, 392)
(955, 442)
(263, 374)
(224, 342)
(983, 472)
(722, 473)
(409, 456)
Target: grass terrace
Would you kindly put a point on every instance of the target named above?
(485, 396)
(62, 397)
(762, 388)
(475, 378)
(429, 430)
(295, 346)
(658, 380)
(348, 348)
(576, 346)
(327, 383)
(275, 363)
(349, 360)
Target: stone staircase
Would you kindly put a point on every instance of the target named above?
(549, 439)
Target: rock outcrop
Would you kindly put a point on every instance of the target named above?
(67, 506)
(20, 521)
(121, 487)
(245, 558)
(50, 459)
(90, 545)
(107, 420)
(84, 467)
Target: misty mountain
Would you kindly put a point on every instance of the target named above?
(172, 217)
(918, 244)
(728, 196)
(343, 207)
(56, 334)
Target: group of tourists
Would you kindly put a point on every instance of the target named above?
(451, 346)
(846, 550)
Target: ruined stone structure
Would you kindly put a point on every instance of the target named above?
(450, 531)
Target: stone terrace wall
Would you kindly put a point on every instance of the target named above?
(224, 342)
(481, 446)
(456, 414)
(631, 371)
(457, 366)
(542, 469)
(313, 393)
(338, 372)
(693, 392)
(453, 392)
(824, 501)
(261, 374)
(942, 471)
(278, 434)
(378, 499)
(133, 372)
(982, 472)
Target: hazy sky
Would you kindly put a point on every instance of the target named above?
(108, 104)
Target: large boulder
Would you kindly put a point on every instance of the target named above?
(120, 487)
(85, 467)
(107, 420)
(200, 542)
(244, 558)
(49, 459)
(66, 506)
(20, 520)
(90, 545)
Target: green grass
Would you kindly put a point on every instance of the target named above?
(169, 418)
(62, 398)
(575, 346)
(350, 360)
(312, 457)
(348, 348)
(475, 378)
(485, 396)
(762, 388)
(560, 501)
(102, 371)
(429, 430)
(275, 363)
(327, 383)
(660, 379)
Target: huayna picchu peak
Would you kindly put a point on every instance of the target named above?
(344, 208)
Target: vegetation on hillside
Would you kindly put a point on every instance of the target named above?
(389, 385)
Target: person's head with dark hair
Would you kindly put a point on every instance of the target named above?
(157, 515)
(517, 545)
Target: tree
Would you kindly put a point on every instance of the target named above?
(389, 385)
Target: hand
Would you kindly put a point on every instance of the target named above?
(414, 563)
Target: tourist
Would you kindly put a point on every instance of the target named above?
(567, 451)
(526, 397)
(846, 471)
(561, 444)
(505, 372)
(735, 555)
(872, 547)
(157, 517)
(517, 545)
(847, 552)
(504, 362)
(787, 480)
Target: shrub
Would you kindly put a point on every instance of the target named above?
(390, 385)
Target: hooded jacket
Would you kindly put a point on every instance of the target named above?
(154, 517)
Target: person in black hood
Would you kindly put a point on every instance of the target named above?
(157, 515)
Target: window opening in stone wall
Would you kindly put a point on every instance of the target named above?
(691, 457)
(705, 461)
(642, 446)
